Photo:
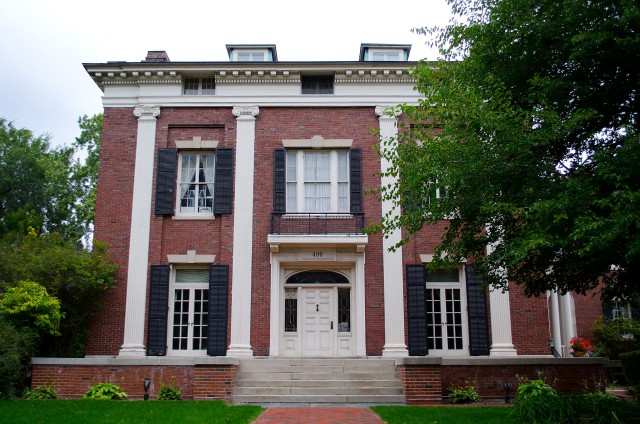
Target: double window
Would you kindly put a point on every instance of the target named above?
(317, 84)
(196, 177)
(195, 184)
(317, 181)
(199, 86)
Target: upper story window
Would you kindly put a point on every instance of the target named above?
(199, 86)
(196, 177)
(317, 84)
(194, 183)
(317, 181)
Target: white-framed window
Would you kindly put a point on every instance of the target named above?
(196, 171)
(199, 86)
(385, 55)
(445, 310)
(250, 56)
(317, 181)
(189, 312)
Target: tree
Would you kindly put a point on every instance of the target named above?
(528, 140)
(86, 174)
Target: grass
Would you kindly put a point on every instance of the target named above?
(124, 412)
(443, 414)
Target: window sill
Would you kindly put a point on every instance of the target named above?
(193, 217)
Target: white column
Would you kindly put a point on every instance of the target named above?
(500, 321)
(556, 333)
(139, 234)
(242, 232)
(276, 325)
(394, 345)
(567, 319)
(361, 330)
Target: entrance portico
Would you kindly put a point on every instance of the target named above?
(317, 296)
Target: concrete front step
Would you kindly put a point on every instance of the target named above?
(322, 391)
(317, 381)
(319, 399)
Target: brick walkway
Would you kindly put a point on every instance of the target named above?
(318, 415)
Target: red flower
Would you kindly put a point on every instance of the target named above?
(581, 347)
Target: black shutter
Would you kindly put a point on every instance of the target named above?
(279, 181)
(158, 307)
(165, 181)
(355, 180)
(223, 184)
(416, 310)
(477, 310)
(218, 301)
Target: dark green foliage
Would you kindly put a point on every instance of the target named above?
(631, 366)
(616, 336)
(588, 408)
(76, 277)
(534, 131)
(105, 391)
(41, 393)
(15, 346)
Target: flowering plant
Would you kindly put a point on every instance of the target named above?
(581, 347)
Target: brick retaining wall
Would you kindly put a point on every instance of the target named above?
(199, 380)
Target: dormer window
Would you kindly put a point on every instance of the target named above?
(384, 52)
(384, 55)
(248, 56)
(252, 53)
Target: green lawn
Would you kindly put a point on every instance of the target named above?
(124, 412)
(443, 414)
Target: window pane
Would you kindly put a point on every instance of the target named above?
(291, 310)
(292, 197)
(192, 276)
(208, 86)
(343, 197)
(292, 163)
(191, 86)
(443, 276)
(344, 310)
(343, 169)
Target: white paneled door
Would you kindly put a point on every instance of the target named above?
(317, 323)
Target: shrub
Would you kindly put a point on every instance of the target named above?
(533, 388)
(631, 366)
(463, 392)
(616, 336)
(15, 348)
(169, 391)
(41, 393)
(106, 391)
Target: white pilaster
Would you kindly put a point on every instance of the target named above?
(274, 320)
(361, 341)
(500, 321)
(139, 234)
(243, 232)
(394, 345)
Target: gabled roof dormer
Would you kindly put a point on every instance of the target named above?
(384, 52)
(252, 52)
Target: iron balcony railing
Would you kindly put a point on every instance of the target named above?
(317, 223)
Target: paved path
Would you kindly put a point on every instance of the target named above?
(318, 415)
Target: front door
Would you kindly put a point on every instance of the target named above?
(318, 332)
